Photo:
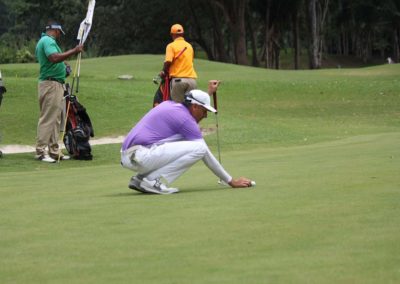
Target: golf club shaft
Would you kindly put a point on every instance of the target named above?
(215, 100)
(217, 126)
(79, 71)
(218, 146)
(64, 129)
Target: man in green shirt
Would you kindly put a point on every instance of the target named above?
(51, 91)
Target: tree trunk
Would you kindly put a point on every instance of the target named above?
(253, 40)
(296, 40)
(206, 46)
(314, 45)
(221, 53)
(317, 11)
(277, 55)
(346, 43)
(267, 35)
(323, 10)
(234, 12)
(396, 45)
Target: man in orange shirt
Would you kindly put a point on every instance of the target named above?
(178, 65)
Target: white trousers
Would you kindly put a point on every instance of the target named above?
(168, 160)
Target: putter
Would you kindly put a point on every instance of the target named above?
(216, 124)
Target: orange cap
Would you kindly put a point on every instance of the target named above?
(177, 29)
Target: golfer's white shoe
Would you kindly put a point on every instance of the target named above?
(64, 158)
(157, 187)
(45, 158)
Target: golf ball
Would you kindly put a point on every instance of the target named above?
(222, 183)
(253, 183)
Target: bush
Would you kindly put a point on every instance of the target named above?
(24, 56)
(7, 54)
(15, 49)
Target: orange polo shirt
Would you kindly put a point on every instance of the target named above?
(182, 66)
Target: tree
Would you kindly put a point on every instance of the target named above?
(391, 13)
(226, 30)
(317, 10)
(207, 29)
(296, 14)
(234, 12)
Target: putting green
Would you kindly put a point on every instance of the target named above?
(321, 213)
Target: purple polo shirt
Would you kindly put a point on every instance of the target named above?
(168, 120)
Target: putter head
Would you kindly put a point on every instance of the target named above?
(157, 80)
(222, 183)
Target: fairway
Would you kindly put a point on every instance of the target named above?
(322, 146)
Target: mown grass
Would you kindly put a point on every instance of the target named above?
(322, 213)
(283, 106)
(323, 147)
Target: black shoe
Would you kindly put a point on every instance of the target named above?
(135, 184)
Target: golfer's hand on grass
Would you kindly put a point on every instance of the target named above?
(213, 86)
(240, 182)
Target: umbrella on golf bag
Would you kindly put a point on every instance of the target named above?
(78, 128)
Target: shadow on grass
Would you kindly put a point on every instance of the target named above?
(134, 193)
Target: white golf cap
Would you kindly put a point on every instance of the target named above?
(55, 27)
(201, 98)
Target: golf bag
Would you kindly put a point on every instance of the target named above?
(163, 90)
(158, 97)
(78, 128)
(2, 89)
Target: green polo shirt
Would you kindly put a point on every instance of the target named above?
(46, 46)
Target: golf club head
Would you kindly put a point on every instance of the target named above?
(157, 80)
(222, 183)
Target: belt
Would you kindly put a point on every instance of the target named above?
(55, 80)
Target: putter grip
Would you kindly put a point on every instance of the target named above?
(215, 100)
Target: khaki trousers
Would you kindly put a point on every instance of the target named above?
(51, 107)
(180, 86)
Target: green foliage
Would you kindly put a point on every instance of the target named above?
(24, 56)
(16, 49)
(363, 29)
(7, 54)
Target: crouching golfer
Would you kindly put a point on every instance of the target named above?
(167, 141)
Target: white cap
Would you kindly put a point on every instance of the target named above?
(201, 98)
(55, 27)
